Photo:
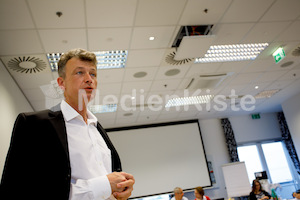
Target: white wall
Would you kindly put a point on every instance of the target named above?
(12, 102)
(291, 110)
(247, 129)
(216, 151)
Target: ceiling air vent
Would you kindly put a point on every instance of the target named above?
(296, 52)
(207, 81)
(170, 59)
(26, 64)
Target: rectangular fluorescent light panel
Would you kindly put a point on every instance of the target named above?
(103, 108)
(181, 101)
(105, 59)
(234, 52)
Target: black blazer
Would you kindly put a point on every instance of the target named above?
(37, 165)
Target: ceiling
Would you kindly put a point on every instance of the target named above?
(29, 29)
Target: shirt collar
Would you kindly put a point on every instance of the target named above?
(70, 113)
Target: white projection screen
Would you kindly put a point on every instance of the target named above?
(162, 157)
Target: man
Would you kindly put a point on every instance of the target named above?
(65, 154)
(296, 194)
(178, 194)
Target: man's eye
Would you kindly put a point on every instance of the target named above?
(94, 75)
(79, 72)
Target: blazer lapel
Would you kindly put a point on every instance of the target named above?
(58, 122)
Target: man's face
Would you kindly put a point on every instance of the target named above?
(79, 75)
(179, 195)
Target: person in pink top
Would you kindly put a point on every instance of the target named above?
(199, 194)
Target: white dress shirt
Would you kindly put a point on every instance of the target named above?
(90, 157)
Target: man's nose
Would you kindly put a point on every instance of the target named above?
(88, 78)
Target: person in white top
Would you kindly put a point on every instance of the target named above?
(65, 155)
(178, 194)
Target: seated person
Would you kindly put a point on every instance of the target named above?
(199, 194)
(296, 194)
(178, 194)
(257, 192)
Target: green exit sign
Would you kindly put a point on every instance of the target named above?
(278, 55)
(255, 116)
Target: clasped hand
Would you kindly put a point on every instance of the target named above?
(121, 184)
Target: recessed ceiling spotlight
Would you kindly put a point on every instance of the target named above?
(151, 38)
(128, 114)
(172, 72)
(256, 87)
(132, 98)
(286, 64)
(140, 74)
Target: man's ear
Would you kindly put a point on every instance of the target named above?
(61, 83)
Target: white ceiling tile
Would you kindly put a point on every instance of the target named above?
(261, 65)
(128, 87)
(122, 114)
(62, 40)
(235, 67)
(149, 111)
(170, 116)
(265, 32)
(245, 78)
(250, 89)
(230, 33)
(14, 14)
(110, 13)
(162, 14)
(110, 88)
(164, 85)
(17, 42)
(291, 75)
(109, 116)
(165, 72)
(29, 81)
(140, 37)
(271, 75)
(35, 94)
(185, 114)
(194, 46)
(282, 10)
(279, 85)
(109, 39)
(44, 13)
(291, 33)
(110, 75)
(202, 68)
(232, 90)
(194, 13)
(144, 58)
(38, 105)
(149, 73)
(146, 118)
(246, 11)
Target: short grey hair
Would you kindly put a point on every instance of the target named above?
(81, 54)
(177, 190)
